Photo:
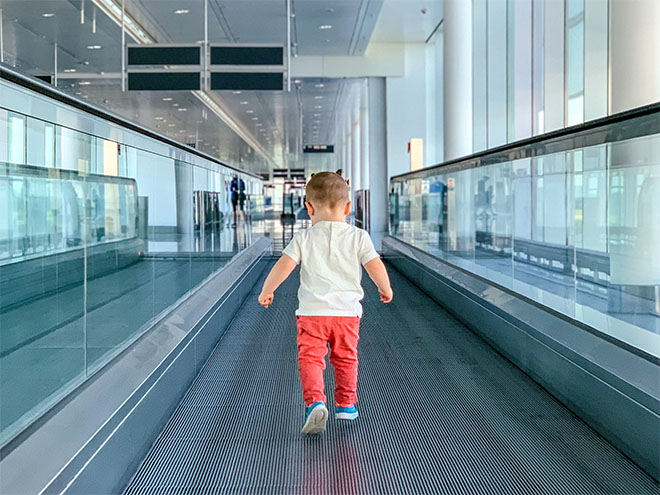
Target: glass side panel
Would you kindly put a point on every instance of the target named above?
(97, 239)
(575, 231)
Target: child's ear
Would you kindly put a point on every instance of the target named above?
(310, 208)
(347, 210)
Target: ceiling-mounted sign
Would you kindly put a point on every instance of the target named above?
(247, 55)
(164, 67)
(264, 81)
(319, 148)
(163, 55)
(164, 81)
(247, 67)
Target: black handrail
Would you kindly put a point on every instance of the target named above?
(12, 75)
(638, 122)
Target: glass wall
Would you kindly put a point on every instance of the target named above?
(576, 231)
(537, 66)
(97, 239)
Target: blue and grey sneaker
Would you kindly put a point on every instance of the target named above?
(346, 412)
(315, 419)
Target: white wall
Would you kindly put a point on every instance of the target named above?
(406, 103)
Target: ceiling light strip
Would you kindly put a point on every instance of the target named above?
(114, 11)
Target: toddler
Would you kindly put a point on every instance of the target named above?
(331, 253)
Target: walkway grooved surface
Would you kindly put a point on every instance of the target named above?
(440, 412)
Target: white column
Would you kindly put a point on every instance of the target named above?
(553, 58)
(457, 95)
(634, 81)
(378, 179)
(634, 54)
(356, 184)
(364, 137)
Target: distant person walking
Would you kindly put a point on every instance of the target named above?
(238, 196)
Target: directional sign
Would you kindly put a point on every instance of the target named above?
(319, 148)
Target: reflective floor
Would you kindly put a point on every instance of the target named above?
(440, 412)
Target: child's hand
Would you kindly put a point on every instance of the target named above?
(266, 299)
(386, 295)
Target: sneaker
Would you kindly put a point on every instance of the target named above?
(315, 419)
(346, 412)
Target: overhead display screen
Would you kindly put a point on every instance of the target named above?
(247, 55)
(163, 81)
(164, 55)
(265, 81)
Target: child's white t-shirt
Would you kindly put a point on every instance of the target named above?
(330, 256)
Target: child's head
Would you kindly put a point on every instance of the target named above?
(328, 191)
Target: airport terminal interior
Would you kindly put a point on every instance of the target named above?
(504, 157)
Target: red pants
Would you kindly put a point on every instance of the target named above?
(314, 335)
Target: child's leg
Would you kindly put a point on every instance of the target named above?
(344, 338)
(312, 347)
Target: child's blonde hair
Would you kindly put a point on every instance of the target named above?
(327, 189)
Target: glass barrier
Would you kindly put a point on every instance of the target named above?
(577, 231)
(97, 239)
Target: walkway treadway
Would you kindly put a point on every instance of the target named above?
(440, 412)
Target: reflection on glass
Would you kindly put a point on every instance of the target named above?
(575, 231)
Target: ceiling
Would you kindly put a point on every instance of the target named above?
(272, 125)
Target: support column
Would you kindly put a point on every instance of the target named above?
(364, 137)
(634, 257)
(377, 141)
(634, 54)
(457, 94)
(356, 183)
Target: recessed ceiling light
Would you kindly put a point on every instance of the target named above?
(318, 107)
(181, 11)
(258, 124)
(175, 104)
(171, 125)
(236, 92)
(325, 26)
(94, 47)
(167, 98)
(47, 14)
(160, 118)
(317, 115)
(320, 85)
(182, 130)
(318, 97)
(84, 83)
(69, 70)
(297, 81)
(244, 103)
(182, 109)
(255, 118)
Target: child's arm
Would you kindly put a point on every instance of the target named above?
(277, 275)
(377, 272)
